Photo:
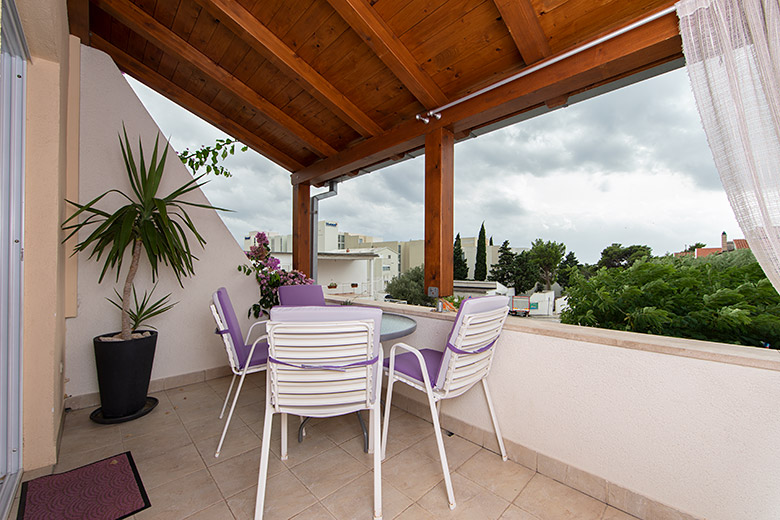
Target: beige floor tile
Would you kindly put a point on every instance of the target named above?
(405, 430)
(356, 499)
(158, 442)
(221, 384)
(412, 473)
(239, 473)
(254, 415)
(414, 512)
(171, 465)
(190, 393)
(354, 447)
(88, 438)
(239, 439)
(339, 429)
(551, 500)
(458, 449)
(219, 511)
(504, 478)
(210, 425)
(615, 514)
(515, 513)
(41, 472)
(285, 497)
(162, 417)
(194, 410)
(72, 460)
(473, 501)
(182, 498)
(314, 443)
(315, 512)
(328, 472)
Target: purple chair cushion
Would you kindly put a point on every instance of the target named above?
(408, 365)
(301, 295)
(260, 355)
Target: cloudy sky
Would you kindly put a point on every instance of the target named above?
(631, 166)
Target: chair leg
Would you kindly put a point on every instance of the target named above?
(227, 397)
(495, 420)
(442, 455)
(388, 402)
(284, 436)
(230, 414)
(264, 455)
(374, 427)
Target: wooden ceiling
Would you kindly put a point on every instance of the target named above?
(327, 87)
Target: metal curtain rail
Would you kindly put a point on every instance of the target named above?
(436, 112)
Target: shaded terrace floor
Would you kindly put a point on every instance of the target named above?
(326, 477)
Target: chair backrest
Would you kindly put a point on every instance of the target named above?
(344, 340)
(228, 327)
(469, 352)
(301, 295)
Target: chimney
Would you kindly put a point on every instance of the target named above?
(724, 242)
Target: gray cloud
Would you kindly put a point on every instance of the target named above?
(516, 179)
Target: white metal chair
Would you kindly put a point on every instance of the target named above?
(465, 361)
(243, 358)
(323, 362)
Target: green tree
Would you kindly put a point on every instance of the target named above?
(566, 267)
(461, 267)
(410, 286)
(725, 298)
(616, 255)
(211, 157)
(525, 273)
(480, 265)
(546, 257)
(504, 270)
(694, 247)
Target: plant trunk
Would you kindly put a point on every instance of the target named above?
(126, 331)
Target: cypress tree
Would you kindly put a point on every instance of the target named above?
(480, 267)
(460, 267)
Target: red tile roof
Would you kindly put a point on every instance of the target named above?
(701, 252)
(741, 243)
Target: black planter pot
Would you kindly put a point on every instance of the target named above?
(124, 369)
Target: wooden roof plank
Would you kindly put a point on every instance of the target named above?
(386, 45)
(142, 23)
(526, 31)
(657, 40)
(177, 94)
(269, 45)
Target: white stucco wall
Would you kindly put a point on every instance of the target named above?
(698, 435)
(187, 342)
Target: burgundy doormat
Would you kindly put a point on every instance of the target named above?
(109, 489)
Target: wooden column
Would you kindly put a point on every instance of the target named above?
(301, 228)
(439, 174)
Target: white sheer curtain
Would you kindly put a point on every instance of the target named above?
(732, 50)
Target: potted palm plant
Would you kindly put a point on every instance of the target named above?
(147, 223)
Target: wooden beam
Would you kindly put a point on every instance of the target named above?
(439, 185)
(652, 43)
(301, 218)
(377, 34)
(260, 38)
(140, 22)
(178, 95)
(78, 18)
(520, 18)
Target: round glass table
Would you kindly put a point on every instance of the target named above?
(396, 326)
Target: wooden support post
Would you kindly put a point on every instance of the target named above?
(301, 228)
(439, 185)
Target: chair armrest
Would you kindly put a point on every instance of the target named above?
(249, 333)
(420, 359)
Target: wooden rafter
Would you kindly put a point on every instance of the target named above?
(78, 18)
(177, 94)
(260, 38)
(386, 45)
(655, 42)
(136, 19)
(523, 25)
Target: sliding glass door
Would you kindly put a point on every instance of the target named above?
(13, 69)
